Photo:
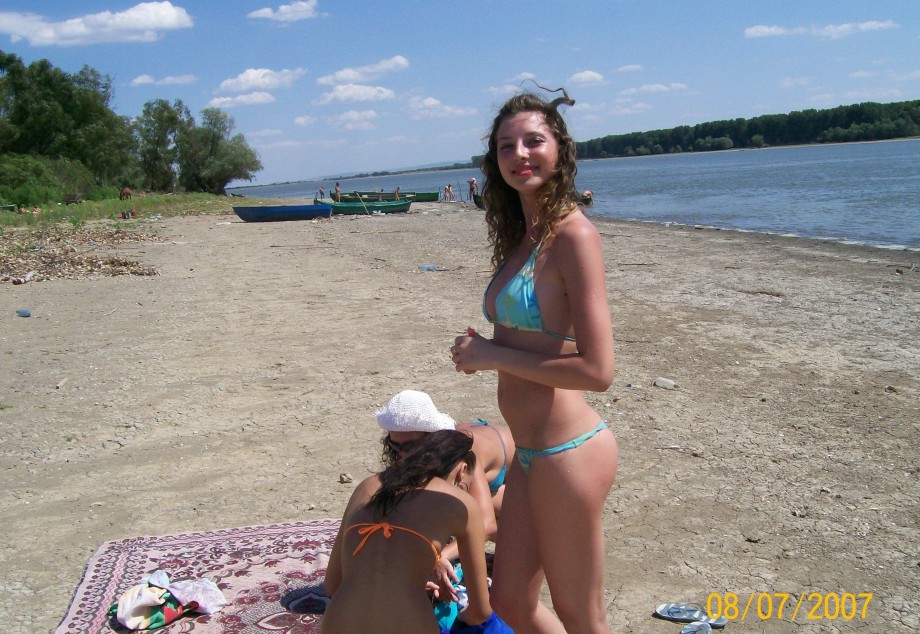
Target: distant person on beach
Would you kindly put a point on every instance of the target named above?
(390, 539)
(411, 415)
(474, 187)
(449, 193)
(337, 195)
(396, 192)
(322, 193)
(552, 339)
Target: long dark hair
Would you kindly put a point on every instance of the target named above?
(504, 215)
(433, 456)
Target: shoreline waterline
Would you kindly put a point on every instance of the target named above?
(863, 193)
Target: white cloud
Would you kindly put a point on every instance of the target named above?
(507, 89)
(301, 10)
(890, 94)
(144, 22)
(354, 120)
(261, 134)
(630, 68)
(582, 108)
(836, 31)
(253, 98)
(761, 30)
(304, 120)
(261, 79)
(431, 108)
(792, 82)
(355, 92)
(586, 78)
(170, 80)
(831, 31)
(633, 108)
(825, 98)
(653, 88)
(521, 77)
(863, 74)
(364, 74)
(281, 145)
(513, 85)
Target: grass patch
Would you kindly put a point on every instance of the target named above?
(145, 206)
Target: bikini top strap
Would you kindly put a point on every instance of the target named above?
(369, 529)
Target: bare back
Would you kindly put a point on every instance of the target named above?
(382, 585)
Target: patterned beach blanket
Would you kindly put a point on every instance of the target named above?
(271, 575)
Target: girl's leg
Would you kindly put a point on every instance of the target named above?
(567, 494)
(517, 573)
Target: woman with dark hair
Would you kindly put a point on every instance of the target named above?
(552, 340)
(390, 541)
(411, 415)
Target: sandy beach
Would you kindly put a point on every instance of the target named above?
(234, 387)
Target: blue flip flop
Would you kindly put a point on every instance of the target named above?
(688, 613)
(697, 627)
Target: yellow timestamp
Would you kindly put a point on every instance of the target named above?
(811, 606)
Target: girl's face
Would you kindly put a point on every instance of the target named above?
(527, 151)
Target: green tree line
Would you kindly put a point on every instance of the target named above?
(843, 124)
(858, 122)
(60, 137)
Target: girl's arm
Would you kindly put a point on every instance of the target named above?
(472, 544)
(578, 257)
(479, 491)
(359, 497)
(334, 569)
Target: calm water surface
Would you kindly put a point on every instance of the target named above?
(860, 192)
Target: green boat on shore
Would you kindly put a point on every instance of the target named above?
(427, 197)
(370, 207)
(356, 197)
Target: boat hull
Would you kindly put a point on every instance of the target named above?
(281, 213)
(371, 206)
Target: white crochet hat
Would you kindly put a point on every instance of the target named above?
(411, 410)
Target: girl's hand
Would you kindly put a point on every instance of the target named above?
(469, 352)
(444, 581)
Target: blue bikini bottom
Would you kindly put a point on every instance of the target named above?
(525, 455)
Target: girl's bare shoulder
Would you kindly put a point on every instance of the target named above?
(576, 227)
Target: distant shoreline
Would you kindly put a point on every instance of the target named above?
(609, 158)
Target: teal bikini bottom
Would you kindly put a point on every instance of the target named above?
(525, 455)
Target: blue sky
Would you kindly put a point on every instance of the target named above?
(324, 87)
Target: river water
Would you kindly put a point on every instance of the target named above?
(867, 193)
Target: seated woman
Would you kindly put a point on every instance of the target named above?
(394, 528)
(411, 415)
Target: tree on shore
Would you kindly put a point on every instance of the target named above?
(59, 136)
(859, 122)
(157, 130)
(209, 157)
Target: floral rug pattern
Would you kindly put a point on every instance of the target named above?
(271, 575)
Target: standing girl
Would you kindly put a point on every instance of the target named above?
(552, 340)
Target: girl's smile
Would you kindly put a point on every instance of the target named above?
(527, 151)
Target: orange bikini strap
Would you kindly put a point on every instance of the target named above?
(369, 529)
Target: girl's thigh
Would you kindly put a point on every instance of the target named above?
(567, 494)
(516, 568)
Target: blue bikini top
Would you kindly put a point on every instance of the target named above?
(516, 305)
(499, 480)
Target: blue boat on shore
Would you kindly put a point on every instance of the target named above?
(278, 213)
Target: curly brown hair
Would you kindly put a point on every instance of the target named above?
(557, 198)
(432, 456)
